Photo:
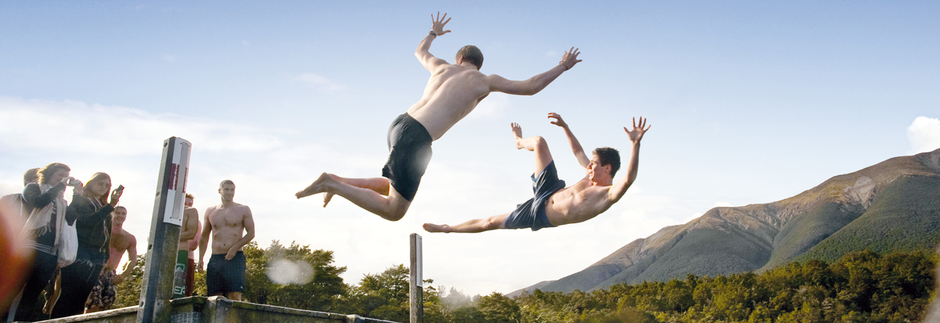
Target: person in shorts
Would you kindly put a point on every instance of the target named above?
(553, 203)
(452, 92)
(231, 226)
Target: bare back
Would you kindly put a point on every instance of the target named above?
(452, 93)
(578, 203)
(228, 225)
(120, 243)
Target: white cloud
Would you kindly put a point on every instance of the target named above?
(320, 83)
(924, 134)
(70, 126)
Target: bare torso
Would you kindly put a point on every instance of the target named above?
(191, 224)
(227, 226)
(449, 96)
(120, 242)
(194, 243)
(577, 203)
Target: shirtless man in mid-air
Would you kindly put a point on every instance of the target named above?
(554, 204)
(452, 92)
(231, 227)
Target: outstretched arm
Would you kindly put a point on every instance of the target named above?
(536, 83)
(427, 60)
(620, 186)
(575, 145)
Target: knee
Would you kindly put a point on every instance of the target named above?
(396, 213)
(540, 143)
(491, 224)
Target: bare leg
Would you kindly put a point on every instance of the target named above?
(535, 144)
(391, 208)
(472, 226)
(235, 296)
(378, 184)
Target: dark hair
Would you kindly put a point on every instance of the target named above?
(32, 175)
(471, 54)
(609, 156)
(119, 207)
(50, 169)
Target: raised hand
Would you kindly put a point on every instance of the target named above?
(637, 133)
(116, 195)
(558, 120)
(437, 24)
(570, 58)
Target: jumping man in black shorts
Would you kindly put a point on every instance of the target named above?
(452, 92)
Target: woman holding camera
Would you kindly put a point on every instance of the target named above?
(92, 209)
(43, 229)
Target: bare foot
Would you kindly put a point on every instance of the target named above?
(517, 132)
(318, 186)
(430, 227)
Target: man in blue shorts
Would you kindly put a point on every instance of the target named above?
(452, 92)
(231, 226)
(554, 204)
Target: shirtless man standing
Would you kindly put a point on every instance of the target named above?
(103, 295)
(554, 204)
(231, 226)
(185, 263)
(452, 92)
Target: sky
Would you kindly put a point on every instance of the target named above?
(748, 102)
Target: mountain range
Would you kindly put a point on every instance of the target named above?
(891, 206)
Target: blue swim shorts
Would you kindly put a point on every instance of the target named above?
(225, 276)
(531, 214)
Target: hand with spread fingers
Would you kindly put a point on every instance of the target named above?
(437, 24)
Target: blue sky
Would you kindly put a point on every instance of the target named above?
(749, 102)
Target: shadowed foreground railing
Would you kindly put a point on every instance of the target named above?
(219, 309)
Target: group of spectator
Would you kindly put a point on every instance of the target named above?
(85, 282)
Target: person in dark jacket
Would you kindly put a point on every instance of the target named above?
(44, 228)
(92, 209)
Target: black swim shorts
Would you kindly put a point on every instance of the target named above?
(409, 145)
(225, 276)
(531, 214)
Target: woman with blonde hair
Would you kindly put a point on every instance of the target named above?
(43, 229)
(92, 209)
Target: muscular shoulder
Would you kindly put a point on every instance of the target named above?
(243, 209)
(124, 239)
(131, 239)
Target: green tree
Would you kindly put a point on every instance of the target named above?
(386, 296)
(292, 276)
(497, 308)
(128, 291)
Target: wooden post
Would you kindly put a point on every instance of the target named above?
(157, 285)
(416, 297)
